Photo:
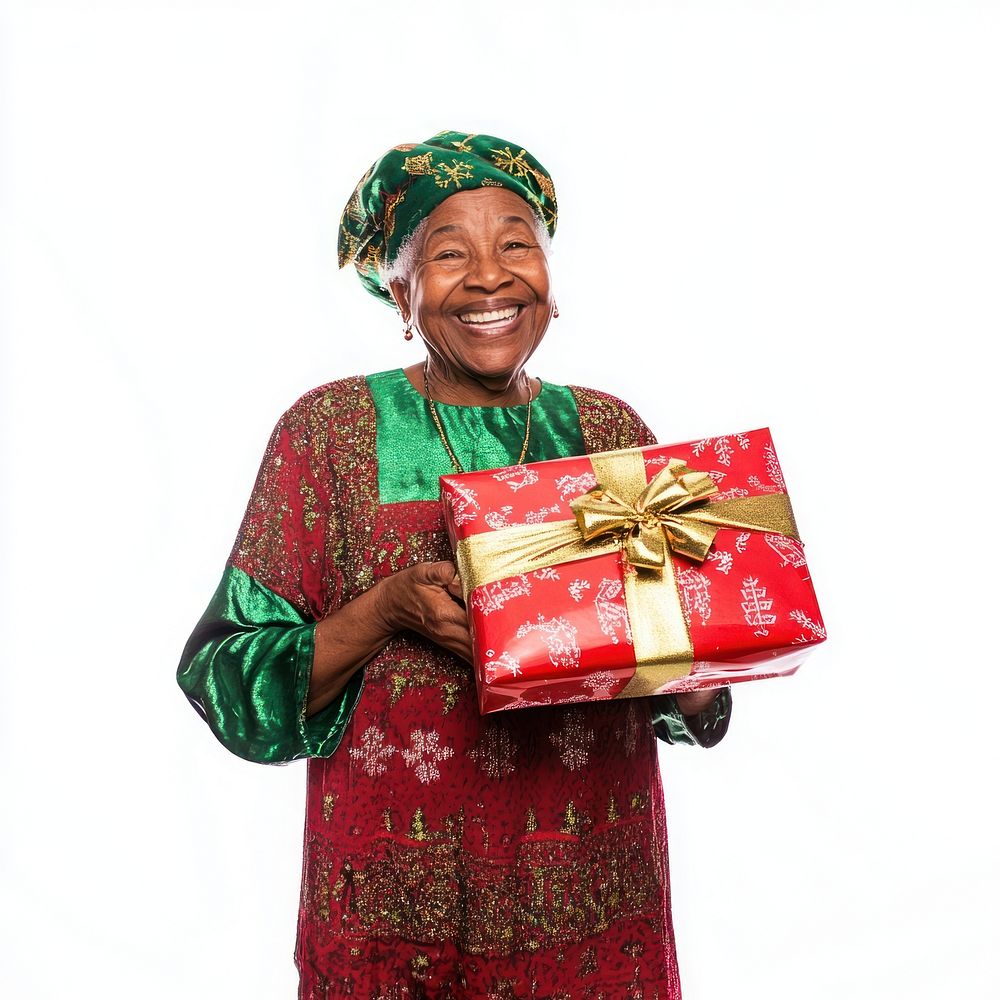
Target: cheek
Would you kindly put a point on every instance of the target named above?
(432, 296)
(539, 282)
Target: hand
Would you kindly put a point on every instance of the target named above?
(424, 598)
(693, 702)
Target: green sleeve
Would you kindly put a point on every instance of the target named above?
(246, 669)
(705, 729)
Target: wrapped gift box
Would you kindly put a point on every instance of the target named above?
(631, 573)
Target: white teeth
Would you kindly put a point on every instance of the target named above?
(489, 317)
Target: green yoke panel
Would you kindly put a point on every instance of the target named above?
(411, 455)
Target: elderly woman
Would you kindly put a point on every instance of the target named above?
(447, 854)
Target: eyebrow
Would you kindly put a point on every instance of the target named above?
(442, 229)
(457, 229)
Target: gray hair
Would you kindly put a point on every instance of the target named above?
(402, 266)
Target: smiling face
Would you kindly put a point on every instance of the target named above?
(479, 294)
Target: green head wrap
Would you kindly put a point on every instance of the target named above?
(410, 181)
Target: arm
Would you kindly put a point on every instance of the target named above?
(247, 667)
(274, 665)
(421, 598)
(275, 687)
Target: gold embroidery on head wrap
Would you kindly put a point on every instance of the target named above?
(422, 165)
(456, 173)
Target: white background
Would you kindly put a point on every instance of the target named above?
(773, 213)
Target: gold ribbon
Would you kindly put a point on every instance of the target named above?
(647, 522)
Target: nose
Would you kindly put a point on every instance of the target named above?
(487, 272)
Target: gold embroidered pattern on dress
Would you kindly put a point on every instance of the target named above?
(573, 741)
(418, 828)
(329, 801)
(495, 752)
(530, 821)
(547, 892)
(310, 511)
(572, 821)
(423, 680)
(613, 815)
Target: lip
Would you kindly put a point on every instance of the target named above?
(489, 305)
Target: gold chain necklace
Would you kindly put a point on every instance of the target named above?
(444, 437)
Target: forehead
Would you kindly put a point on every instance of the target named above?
(481, 209)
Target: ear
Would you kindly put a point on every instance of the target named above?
(400, 291)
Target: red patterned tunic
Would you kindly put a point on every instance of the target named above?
(446, 854)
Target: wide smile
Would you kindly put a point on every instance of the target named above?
(491, 320)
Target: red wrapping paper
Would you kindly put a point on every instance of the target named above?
(562, 634)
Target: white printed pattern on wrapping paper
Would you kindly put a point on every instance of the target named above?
(374, 752)
(731, 494)
(773, 469)
(425, 753)
(723, 561)
(500, 519)
(801, 618)
(791, 551)
(760, 487)
(757, 606)
(464, 504)
(548, 573)
(612, 615)
(570, 487)
(517, 476)
(492, 597)
(573, 741)
(741, 541)
(559, 637)
(505, 661)
(722, 446)
(695, 597)
(576, 589)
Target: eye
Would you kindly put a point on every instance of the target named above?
(517, 246)
(447, 255)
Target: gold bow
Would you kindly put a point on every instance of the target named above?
(646, 522)
(654, 524)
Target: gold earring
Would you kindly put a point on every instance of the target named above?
(408, 332)
(555, 311)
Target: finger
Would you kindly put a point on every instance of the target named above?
(461, 648)
(440, 573)
(442, 604)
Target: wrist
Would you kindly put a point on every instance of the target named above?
(384, 607)
(692, 703)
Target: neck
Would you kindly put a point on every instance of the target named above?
(445, 385)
